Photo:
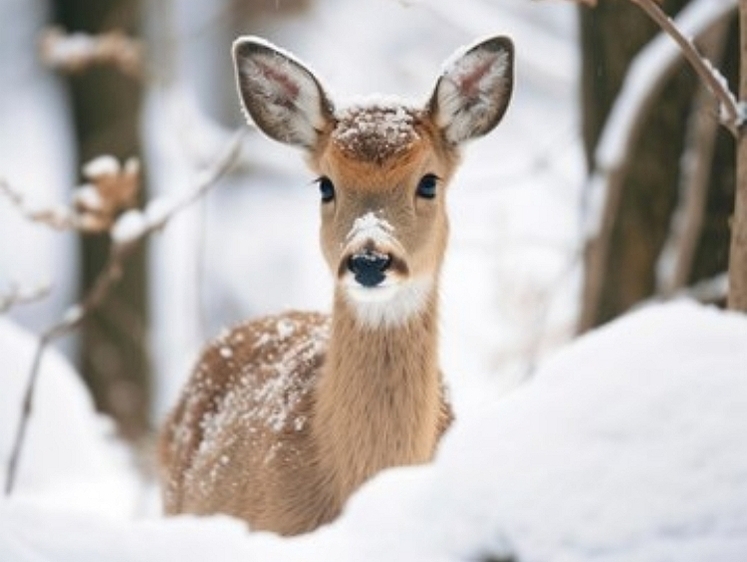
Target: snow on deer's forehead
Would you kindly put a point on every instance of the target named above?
(375, 130)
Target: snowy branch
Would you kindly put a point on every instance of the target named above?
(76, 52)
(15, 294)
(732, 113)
(129, 229)
(96, 204)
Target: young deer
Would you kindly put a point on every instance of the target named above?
(285, 416)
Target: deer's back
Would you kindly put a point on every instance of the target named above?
(241, 429)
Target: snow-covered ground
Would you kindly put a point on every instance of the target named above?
(627, 444)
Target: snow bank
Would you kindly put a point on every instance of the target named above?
(628, 445)
(70, 458)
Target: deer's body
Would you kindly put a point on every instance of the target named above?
(284, 417)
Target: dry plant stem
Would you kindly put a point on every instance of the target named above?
(731, 119)
(25, 415)
(738, 250)
(109, 275)
(18, 296)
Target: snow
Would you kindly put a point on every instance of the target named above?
(36, 159)
(101, 166)
(645, 75)
(73, 314)
(375, 128)
(628, 445)
(71, 459)
(129, 226)
(73, 47)
(88, 198)
(655, 59)
(370, 227)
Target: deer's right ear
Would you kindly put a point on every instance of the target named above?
(473, 92)
(281, 95)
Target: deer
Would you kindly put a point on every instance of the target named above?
(285, 416)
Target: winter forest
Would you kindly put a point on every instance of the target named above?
(591, 337)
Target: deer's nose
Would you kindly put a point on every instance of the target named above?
(369, 266)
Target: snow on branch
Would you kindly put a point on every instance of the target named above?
(16, 294)
(111, 188)
(646, 75)
(126, 232)
(76, 52)
(732, 112)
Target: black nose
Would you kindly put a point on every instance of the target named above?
(368, 267)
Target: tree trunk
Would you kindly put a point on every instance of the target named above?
(611, 35)
(712, 255)
(738, 252)
(106, 109)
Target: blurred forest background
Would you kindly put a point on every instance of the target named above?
(172, 103)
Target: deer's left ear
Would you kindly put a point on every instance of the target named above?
(473, 92)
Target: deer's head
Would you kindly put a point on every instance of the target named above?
(382, 166)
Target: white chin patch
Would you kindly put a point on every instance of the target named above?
(390, 304)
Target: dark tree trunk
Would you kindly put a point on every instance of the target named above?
(106, 110)
(611, 35)
(712, 255)
(738, 249)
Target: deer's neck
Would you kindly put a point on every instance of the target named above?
(378, 400)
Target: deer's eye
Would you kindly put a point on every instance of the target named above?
(326, 189)
(427, 186)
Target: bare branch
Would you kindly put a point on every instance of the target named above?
(59, 218)
(130, 229)
(16, 294)
(732, 115)
(111, 189)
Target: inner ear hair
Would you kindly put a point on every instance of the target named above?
(472, 94)
(279, 93)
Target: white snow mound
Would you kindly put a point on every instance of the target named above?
(627, 446)
(70, 458)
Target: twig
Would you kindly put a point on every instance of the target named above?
(16, 295)
(126, 234)
(732, 117)
(111, 189)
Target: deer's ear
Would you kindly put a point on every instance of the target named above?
(473, 92)
(281, 95)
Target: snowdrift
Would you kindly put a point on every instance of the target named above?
(627, 445)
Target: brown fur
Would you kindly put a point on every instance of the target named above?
(368, 399)
(348, 416)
